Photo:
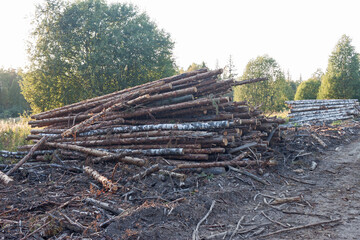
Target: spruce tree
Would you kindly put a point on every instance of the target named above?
(342, 78)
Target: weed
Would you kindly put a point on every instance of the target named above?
(336, 123)
(13, 133)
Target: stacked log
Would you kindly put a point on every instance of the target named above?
(184, 117)
(302, 111)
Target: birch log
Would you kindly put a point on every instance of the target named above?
(6, 179)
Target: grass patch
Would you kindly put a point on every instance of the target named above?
(13, 133)
(283, 115)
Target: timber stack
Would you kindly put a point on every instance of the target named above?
(187, 117)
(303, 111)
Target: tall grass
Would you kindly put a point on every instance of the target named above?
(13, 133)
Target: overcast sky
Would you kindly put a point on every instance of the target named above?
(299, 35)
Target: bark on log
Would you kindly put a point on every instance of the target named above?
(155, 133)
(169, 101)
(329, 101)
(146, 172)
(121, 157)
(78, 127)
(315, 108)
(85, 150)
(243, 147)
(192, 157)
(104, 205)
(151, 127)
(28, 156)
(107, 184)
(197, 77)
(6, 179)
(152, 146)
(235, 162)
(247, 81)
(149, 140)
(177, 106)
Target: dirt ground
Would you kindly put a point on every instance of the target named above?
(312, 193)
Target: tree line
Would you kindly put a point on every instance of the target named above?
(87, 48)
(12, 101)
(340, 81)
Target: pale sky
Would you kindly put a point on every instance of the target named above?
(299, 35)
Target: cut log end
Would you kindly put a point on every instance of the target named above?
(6, 179)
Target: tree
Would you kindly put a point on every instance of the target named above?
(87, 48)
(308, 89)
(270, 94)
(290, 87)
(229, 69)
(342, 77)
(12, 103)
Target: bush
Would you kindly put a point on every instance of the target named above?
(308, 89)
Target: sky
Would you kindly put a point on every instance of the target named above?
(299, 35)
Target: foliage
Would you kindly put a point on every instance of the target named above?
(192, 67)
(308, 89)
(270, 94)
(12, 103)
(87, 48)
(290, 89)
(342, 78)
(13, 133)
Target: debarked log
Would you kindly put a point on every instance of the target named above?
(107, 184)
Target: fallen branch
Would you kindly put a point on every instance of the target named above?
(146, 172)
(242, 171)
(322, 143)
(104, 205)
(35, 231)
(271, 220)
(286, 200)
(237, 227)
(300, 227)
(72, 225)
(195, 235)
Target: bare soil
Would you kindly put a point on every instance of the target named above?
(325, 181)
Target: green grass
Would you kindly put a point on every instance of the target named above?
(283, 114)
(13, 133)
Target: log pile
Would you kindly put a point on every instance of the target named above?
(186, 117)
(302, 111)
